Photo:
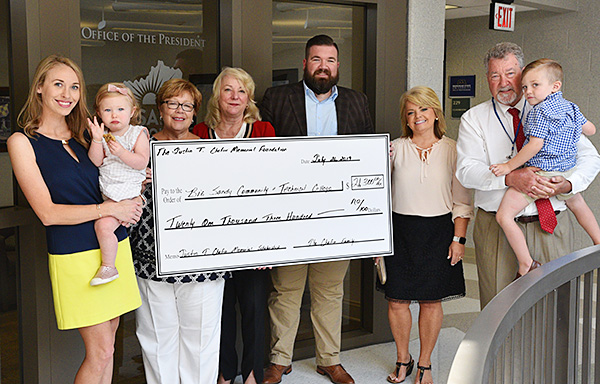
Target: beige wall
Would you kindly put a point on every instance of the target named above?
(570, 38)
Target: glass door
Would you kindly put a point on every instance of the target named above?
(143, 44)
(9, 323)
(293, 24)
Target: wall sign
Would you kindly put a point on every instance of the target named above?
(462, 86)
(502, 16)
(460, 106)
(142, 38)
(145, 43)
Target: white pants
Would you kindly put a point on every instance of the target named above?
(178, 327)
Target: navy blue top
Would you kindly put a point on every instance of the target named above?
(69, 182)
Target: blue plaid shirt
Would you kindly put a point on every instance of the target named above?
(558, 122)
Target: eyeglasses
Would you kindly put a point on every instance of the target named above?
(186, 107)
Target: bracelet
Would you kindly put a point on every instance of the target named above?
(459, 240)
(97, 141)
(98, 209)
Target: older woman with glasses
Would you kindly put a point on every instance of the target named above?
(179, 322)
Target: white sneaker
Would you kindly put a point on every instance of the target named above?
(104, 275)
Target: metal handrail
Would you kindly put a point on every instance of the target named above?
(476, 356)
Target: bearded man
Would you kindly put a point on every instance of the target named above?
(315, 106)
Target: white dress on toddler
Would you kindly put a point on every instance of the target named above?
(118, 181)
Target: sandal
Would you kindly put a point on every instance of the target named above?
(409, 368)
(105, 274)
(421, 371)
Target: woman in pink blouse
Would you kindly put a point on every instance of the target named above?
(431, 211)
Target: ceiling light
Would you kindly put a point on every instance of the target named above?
(319, 23)
(285, 7)
(92, 43)
(151, 27)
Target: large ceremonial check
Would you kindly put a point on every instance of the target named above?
(235, 204)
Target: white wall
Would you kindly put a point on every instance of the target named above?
(569, 38)
(425, 54)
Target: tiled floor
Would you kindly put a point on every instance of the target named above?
(369, 364)
(373, 363)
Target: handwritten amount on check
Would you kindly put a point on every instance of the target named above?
(178, 222)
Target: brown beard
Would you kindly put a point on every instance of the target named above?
(320, 86)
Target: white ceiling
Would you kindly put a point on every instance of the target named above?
(474, 8)
(290, 20)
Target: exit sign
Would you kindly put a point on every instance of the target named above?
(502, 17)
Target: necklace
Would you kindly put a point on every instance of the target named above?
(512, 141)
(241, 132)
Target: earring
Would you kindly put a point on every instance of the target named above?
(436, 119)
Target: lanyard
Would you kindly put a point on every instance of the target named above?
(512, 141)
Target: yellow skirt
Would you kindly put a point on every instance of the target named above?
(76, 303)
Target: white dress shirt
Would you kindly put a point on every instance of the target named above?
(482, 142)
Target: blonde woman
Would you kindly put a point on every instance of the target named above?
(431, 211)
(51, 164)
(232, 113)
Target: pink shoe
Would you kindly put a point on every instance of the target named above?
(104, 275)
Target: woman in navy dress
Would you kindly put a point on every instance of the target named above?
(50, 162)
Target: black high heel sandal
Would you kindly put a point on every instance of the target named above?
(409, 368)
(421, 371)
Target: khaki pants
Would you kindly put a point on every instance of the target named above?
(496, 262)
(326, 285)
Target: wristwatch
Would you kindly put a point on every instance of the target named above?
(460, 240)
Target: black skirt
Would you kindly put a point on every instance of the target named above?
(420, 269)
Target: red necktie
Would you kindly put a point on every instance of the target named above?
(544, 206)
(520, 136)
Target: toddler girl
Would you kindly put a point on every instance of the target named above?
(120, 150)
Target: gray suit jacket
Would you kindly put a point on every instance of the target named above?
(284, 108)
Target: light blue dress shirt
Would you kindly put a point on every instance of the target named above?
(321, 119)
